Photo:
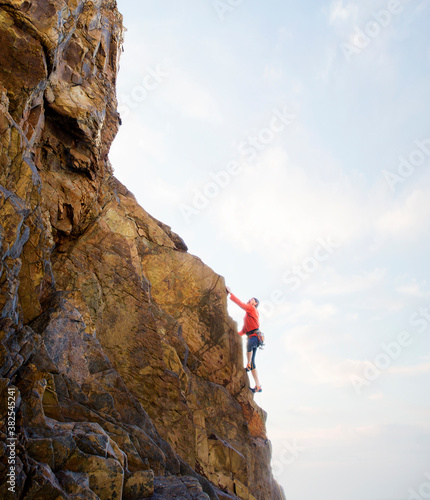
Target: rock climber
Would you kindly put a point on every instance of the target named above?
(250, 328)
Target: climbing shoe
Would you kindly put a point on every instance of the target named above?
(257, 388)
(248, 367)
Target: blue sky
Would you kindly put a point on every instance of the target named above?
(289, 145)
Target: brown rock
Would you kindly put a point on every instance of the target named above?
(105, 475)
(184, 487)
(139, 485)
(76, 485)
(44, 484)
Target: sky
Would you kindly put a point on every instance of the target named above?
(288, 144)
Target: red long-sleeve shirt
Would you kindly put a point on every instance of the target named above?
(252, 317)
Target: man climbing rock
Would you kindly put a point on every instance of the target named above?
(250, 328)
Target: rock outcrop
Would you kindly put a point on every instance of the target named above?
(121, 372)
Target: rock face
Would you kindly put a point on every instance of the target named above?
(121, 371)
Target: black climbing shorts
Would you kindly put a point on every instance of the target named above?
(252, 344)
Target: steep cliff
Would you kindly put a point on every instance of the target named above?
(121, 372)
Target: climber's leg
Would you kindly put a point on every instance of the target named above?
(254, 370)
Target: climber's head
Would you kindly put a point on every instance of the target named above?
(254, 302)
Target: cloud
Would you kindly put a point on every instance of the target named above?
(376, 396)
(340, 13)
(329, 59)
(337, 372)
(192, 99)
(273, 73)
(323, 349)
(410, 370)
(333, 283)
(361, 437)
(292, 213)
(308, 310)
(413, 289)
(301, 411)
(312, 363)
(283, 221)
(143, 140)
(409, 219)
